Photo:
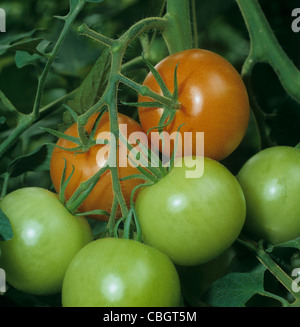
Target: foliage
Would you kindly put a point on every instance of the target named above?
(55, 67)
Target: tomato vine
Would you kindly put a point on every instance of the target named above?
(178, 27)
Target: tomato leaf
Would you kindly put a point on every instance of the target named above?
(6, 232)
(236, 289)
(29, 46)
(23, 59)
(36, 160)
(295, 243)
(91, 88)
(14, 40)
(98, 226)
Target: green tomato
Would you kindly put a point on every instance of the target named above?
(46, 238)
(115, 272)
(192, 220)
(271, 184)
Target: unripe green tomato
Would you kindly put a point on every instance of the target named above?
(271, 184)
(115, 272)
(192, 220)
(45, 239)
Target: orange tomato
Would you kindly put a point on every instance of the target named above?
(213, 100)
(87, 164)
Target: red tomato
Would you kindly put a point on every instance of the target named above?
(213, 100)
(87, 164)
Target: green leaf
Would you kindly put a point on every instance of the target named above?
(23, 59)
(18, 37)
(29, 46)
(91, 89)
(235, 289)
(295, 243)
(6, 232)
(36, 160)
(98, 226)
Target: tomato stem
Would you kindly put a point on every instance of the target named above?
(112, 216)
(25, 121)
(266, 48)
(276, 270)
(178, 33)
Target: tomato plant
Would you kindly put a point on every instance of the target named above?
(271, 184)
(114, 272)
(46, 238)
(76, 73)
(193, 220)
(213, 99)
(87, 164)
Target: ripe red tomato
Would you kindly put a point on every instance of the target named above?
(88, 163)
(213, 100)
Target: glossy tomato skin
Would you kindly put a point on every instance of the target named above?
(88, 164)
(213, 100)
(115, 272)
(271, 184)
(194, 219)
(46, 237)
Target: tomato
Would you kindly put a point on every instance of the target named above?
(192, 220)
(271, 184)
(213, 100)
(46, 238)
(116, 272)
(88, 164)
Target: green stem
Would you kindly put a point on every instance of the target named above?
(195, 28)
(266, 48)
(85, 30)
(265, 259)
(113, 83)
(41, 83)
(25, 121)
(112, 217)
(6, 177)
(7, 103)
(178, 34)
(140, 27)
